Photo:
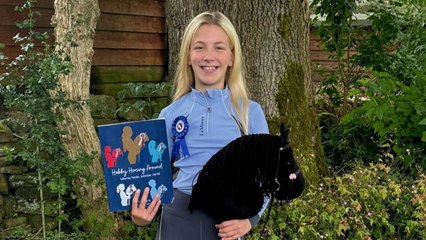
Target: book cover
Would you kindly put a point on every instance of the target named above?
(135, 155)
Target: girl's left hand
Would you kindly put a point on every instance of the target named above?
(233, 229)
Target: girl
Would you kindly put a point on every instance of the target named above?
(210, 109)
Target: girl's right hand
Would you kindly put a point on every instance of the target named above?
(141, 215)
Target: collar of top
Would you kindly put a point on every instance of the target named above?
(211, 93)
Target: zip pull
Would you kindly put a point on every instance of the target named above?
(208, 111)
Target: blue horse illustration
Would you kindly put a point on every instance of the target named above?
(154, 190)
(156, 151)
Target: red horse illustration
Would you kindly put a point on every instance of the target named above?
(111, 157)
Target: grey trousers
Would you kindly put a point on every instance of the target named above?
(178, 223)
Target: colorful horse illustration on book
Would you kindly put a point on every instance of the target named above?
(112, 156)
(125, 195)
(133, 146)
(156, 151)
(154, 190)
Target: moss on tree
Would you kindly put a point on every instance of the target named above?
(300, 118)
(285, 25)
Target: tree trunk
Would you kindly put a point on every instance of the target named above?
(274, 35)
(79, 17)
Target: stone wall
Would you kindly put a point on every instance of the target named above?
(19, 194)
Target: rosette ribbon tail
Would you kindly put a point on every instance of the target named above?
(179, 144)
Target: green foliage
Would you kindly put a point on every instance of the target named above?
(373, 202)
(395, 111)
(146, 105)
(342, 145)
(396, 42)
(30, 86)
(131, 231)
(21, 233)
(387, 96)
(16, 233)
(395, 101)
(346, 144)
(339, 35)
(336, 29)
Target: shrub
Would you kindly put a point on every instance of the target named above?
(373, 202)
(396, 111)
(387, 103)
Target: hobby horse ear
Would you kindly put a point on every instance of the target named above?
(284, 132)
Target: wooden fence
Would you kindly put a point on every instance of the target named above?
(129, 46)
(130, 42)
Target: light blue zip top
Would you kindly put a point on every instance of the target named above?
(211, 127)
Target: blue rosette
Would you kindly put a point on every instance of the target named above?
(180, 128)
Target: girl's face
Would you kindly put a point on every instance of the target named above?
(210, 56)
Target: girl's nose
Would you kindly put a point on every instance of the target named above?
(208, 55)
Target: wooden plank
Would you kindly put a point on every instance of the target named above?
(118, 57)
(129, 40)
(316, 45)
(108, 57)
(125, 74)
(129, 23)
(112, 89)
(9, 17)
(325, 56)
(45, 3)
(131, 7)
(8, 32)
(12, 52)
(319, 56)
(39, 4)
(317, 78)
(2, 70)
(324, 66)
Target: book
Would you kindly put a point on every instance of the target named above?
(135, 155)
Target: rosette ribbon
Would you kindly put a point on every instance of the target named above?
(180, 129)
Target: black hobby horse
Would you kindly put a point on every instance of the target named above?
(234, 182)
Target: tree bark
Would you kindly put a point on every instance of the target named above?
(274, 35)
(79, 17)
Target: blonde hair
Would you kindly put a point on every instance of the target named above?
(235, 81)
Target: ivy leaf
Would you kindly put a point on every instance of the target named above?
(423, 122)
(420, 108)
(357, 206)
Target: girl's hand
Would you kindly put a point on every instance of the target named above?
(142, 216)
(233, 229)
